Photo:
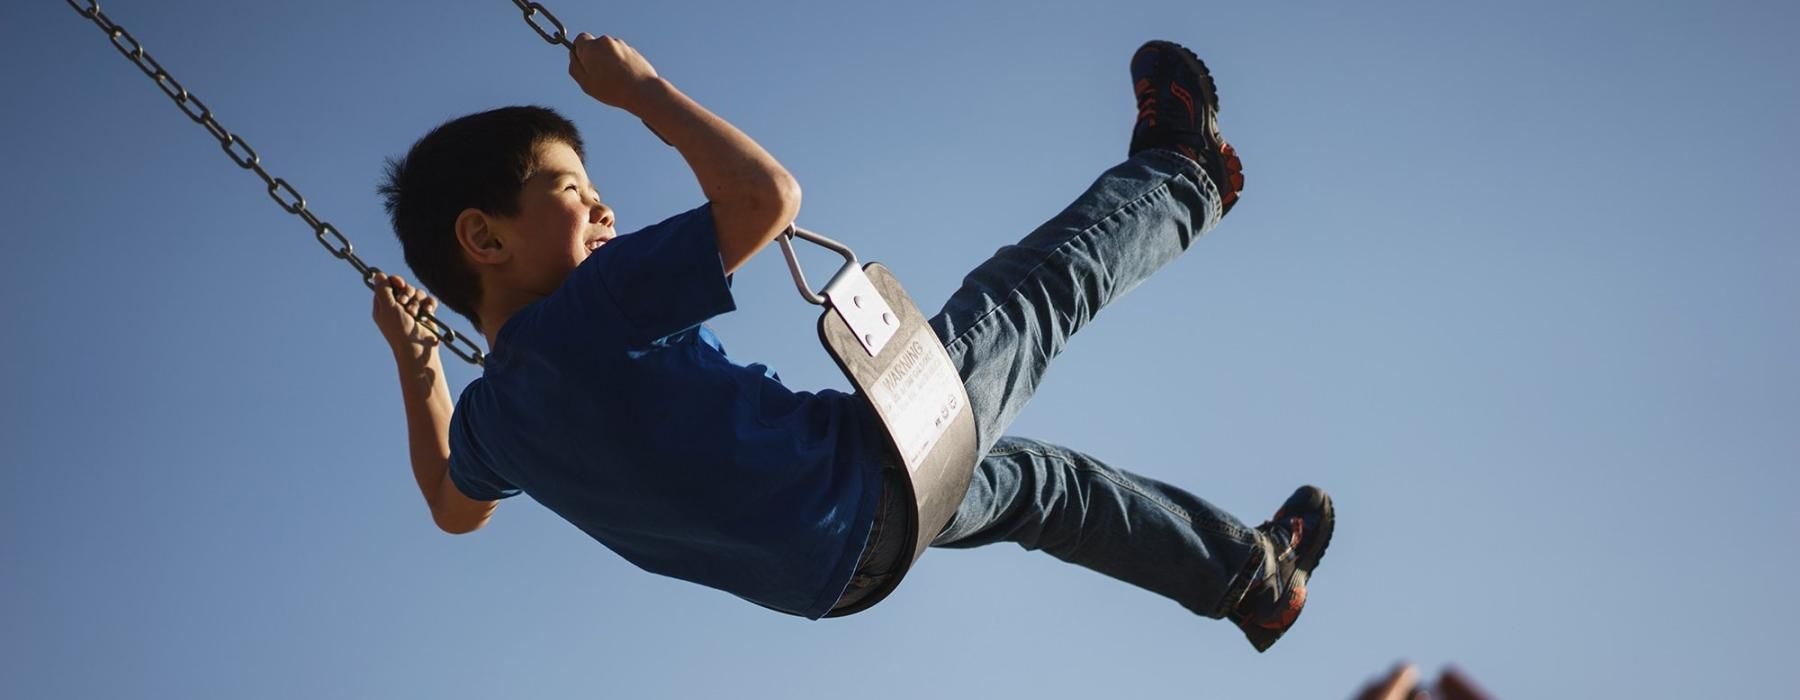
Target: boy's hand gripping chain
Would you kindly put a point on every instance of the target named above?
(245, 157)
(559, 36)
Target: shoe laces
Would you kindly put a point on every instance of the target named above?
(1282, 535)
(1146, 98)
(1291, 529)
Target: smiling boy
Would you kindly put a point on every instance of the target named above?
(607, 400)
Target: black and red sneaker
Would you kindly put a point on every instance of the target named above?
(1296, 539)
(1178, 110)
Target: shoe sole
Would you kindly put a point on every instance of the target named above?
(1327, 523)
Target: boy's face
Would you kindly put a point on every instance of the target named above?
(560, 221)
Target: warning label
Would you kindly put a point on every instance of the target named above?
(918, 394)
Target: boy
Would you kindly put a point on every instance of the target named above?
(607, 400)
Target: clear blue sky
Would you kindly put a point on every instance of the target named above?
(1519, 284)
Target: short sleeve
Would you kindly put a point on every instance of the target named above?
(468, 467)
(664, 279)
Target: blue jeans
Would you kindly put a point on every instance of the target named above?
(1012, 316)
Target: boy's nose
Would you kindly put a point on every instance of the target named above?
(601, 214)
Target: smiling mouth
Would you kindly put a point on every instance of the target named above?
(595, 244)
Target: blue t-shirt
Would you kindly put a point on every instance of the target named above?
(610, 404)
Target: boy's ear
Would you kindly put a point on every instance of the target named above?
(479, 238)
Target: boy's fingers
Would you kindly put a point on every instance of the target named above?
(397, 293)
(576, 47)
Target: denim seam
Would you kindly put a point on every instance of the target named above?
(1239, 584)
(1060, 250)
(1223, 529)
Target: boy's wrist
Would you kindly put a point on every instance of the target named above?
(412, 353)
(646, 97)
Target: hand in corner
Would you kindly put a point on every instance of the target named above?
(396, 309)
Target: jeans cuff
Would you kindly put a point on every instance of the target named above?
(1240, 583)
(1209, 190)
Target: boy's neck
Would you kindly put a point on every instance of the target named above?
(497, 306)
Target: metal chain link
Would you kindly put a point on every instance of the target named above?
(532, 10)
(284, 194)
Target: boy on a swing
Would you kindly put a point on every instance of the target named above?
(607, 400)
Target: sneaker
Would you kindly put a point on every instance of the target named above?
(1178, 110)
(1296, 539)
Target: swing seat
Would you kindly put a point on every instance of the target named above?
(887, 348)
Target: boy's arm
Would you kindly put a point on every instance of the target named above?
(753, 198)
(428, 406)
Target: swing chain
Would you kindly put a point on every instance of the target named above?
(532, 10)
(284, 194)
(560, 37)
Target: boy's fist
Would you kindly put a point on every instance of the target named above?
(397, 306)
(609, 70)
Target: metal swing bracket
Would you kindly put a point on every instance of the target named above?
(849, 292)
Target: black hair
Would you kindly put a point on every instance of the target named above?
(478, 161)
